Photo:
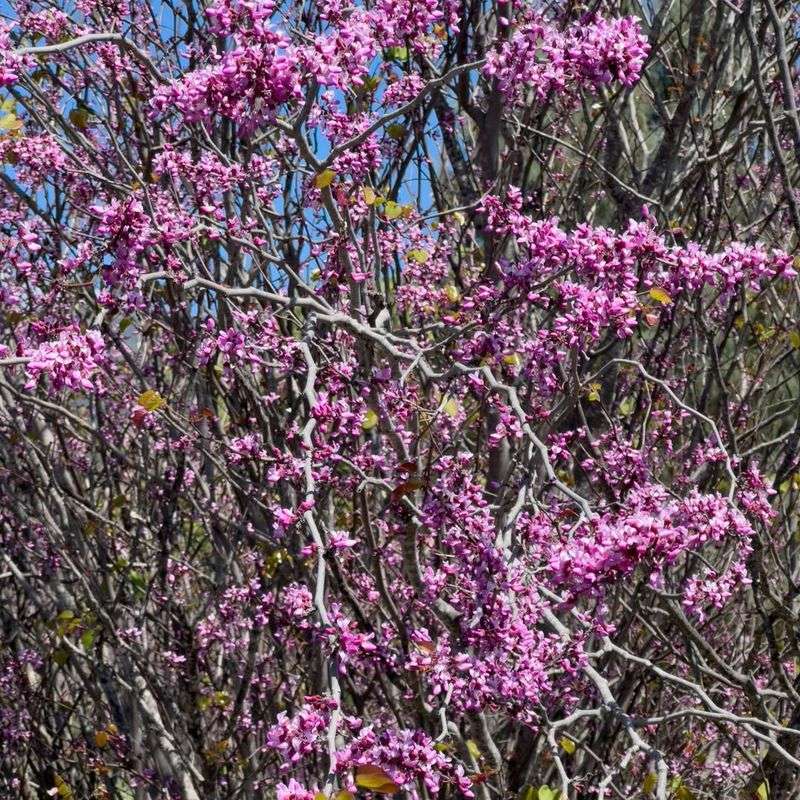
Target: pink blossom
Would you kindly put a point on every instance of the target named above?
(71, 361)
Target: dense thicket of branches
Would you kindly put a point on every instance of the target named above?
(399, 397)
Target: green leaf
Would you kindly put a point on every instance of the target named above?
(627, 406)
(762, 793)
(123, 790)
(396, 54)
(371, 83)
(393, 210)
(567, 744)
(546, 793)
(396, 131)
(137, 581)
(370, 420)
(87, 639)
(417, 256)
(649, 783)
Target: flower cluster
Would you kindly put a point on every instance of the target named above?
(654, 530)
(541, 57)
(10, 63)
(71, 361)
(405, 756)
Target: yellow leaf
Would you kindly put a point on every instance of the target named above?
(374, 779)
(396, 131)
(370, 420)
(453, 295)
(368, 194)
(459, 217)
(649, 782)
(393, 210)
(762, 793)
(451, 408)
(473, 749)
(320, 796)
(220, 699)
(683, 792)
(417, 256)
(627, 406)
(8, 106)
(62, 786)
(594, 393)
(325, 178)
(151, 400)
(10, 123)
(546, 793)
(101, 738)
(79, 117)
(343, 794)
(660, 296)
(794, 339)
(512, 359)
(567, 744)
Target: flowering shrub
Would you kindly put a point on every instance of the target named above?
(398, 398)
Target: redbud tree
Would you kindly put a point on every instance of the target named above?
(399, 398)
